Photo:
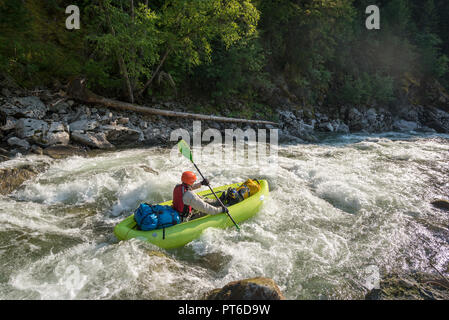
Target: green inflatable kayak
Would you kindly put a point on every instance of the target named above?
(181, 234)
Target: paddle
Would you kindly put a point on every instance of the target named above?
(186, 152)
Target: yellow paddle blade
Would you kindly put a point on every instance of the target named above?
(185, 150)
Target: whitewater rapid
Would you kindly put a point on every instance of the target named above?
(339, 211)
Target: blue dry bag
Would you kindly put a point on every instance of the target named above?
(149, 217)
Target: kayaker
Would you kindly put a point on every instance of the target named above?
(184, 199)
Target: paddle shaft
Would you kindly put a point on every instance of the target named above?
(229, 215)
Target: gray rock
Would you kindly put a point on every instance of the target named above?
(31, 128)
(58, 138)
(83, 125)
(30, 107)
(326, 126)
(342, 128)
(14, 141)
(121, 135)
(436, 119)
(92, 139)
(404, 125)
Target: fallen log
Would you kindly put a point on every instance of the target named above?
(77, 90)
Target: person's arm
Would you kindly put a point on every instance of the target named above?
(193, 200)
(198, 185)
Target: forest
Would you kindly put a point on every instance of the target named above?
(314, 52)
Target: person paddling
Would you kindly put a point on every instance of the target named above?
(184, 199)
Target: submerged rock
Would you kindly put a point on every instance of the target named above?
(415, 286)
(441, 204)
(61, 152)
(12, 178)
(248, 289)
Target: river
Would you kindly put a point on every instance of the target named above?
(340, 212)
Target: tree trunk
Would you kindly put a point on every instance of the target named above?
(155, 72)
(78, 91)
(122, 65)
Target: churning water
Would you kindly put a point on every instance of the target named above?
(338, 211)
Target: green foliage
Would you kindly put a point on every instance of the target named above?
(224, 49)
(366, 89)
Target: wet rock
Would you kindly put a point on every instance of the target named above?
(92, 139)
(120, 135)
(31, 128)
(37, 150)
(12, 178)
(356, 120)
(148, 169)
(404, 125)
(248, 289)
(441, 204)
(14, 141)
(436, 119)
(414, 286)
(342, 128)
(61, 152)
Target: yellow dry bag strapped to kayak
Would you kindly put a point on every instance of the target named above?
(248, 188)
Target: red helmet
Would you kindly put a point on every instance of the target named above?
(188, 178)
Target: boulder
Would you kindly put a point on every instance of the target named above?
(58, 138)
(92, 139)
(12, 178)
(83, 125)
(436, 119)
(61, 152)
(57, 134)
(31, 128)
(356, 121)
(248, 289)
(404, 125)
(14, 141)
(30, 107)
(342, 128)
(120, 135)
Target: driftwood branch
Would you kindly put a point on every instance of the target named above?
(78, 91)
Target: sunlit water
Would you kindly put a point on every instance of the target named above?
(336, 210)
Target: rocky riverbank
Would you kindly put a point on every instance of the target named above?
(44, 122)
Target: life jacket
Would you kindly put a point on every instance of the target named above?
(178, 203)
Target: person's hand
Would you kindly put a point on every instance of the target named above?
(205, 182)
